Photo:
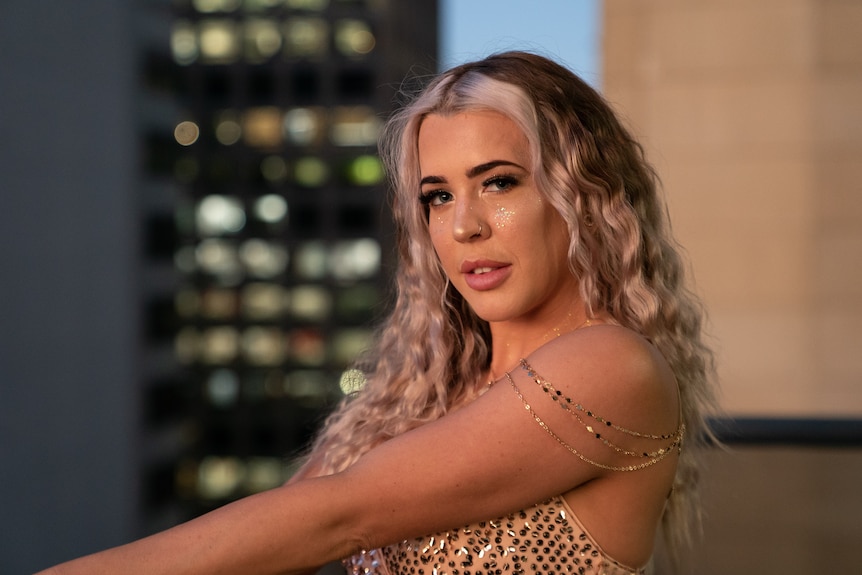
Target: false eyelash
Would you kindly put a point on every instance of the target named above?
(428, 198)
(508, 179)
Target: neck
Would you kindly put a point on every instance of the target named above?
(514, 340)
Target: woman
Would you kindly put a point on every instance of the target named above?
(535, 380)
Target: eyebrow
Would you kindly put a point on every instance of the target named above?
(473, 172)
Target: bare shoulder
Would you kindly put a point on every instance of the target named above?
(615, 371)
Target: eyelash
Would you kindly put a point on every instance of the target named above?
(504, 182)
(427, 199)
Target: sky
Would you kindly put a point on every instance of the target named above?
(566, 30)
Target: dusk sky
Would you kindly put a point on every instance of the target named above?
(567, 30)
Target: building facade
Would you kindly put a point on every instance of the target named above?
(749, 110)
(196, 243)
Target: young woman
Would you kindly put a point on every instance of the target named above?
(526, 404)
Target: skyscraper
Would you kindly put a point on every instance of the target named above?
(194, 240)
(269, 224)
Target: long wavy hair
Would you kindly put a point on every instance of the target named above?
(432, 349)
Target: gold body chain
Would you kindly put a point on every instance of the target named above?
(575, 409)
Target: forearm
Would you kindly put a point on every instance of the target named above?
(287, 530)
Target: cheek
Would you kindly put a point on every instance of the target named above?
(436, 227)
(437, 233)
(503, 217)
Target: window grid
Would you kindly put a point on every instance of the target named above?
(268, 225)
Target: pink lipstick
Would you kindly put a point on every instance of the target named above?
(483, 275)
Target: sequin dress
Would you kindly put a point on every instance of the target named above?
(546, 538)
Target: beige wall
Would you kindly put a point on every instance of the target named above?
(752, 114)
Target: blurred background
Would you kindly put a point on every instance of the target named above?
(194, 243)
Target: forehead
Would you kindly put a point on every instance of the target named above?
(468, 139)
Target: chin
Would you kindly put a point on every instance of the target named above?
(491, 315)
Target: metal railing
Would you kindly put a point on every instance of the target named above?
(822, 432)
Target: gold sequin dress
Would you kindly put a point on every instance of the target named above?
(546, 538)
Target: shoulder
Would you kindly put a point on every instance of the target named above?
(613, 350)
(614, 371)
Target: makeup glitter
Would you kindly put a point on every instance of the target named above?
(503, 217)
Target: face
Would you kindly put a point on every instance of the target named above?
(503, 246)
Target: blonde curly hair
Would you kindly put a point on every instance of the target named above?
(432, 349)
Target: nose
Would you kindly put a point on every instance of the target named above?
(468, 224)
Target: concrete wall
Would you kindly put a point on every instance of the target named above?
(750, 111)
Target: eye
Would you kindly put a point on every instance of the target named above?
(435, 198)
(500, 183)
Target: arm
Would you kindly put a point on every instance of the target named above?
(482, 461)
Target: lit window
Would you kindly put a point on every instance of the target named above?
(347, 344)
(353, 38)
(263, 259)
(354, 259)
(310, 303)
(222, 387)
(303, 126)
(219, 477)
(228, 130)
(219, 303)
(270, 208)
(263, 473)
(217, 215)
(263, 301)
(305, 37)
(366, 170)
(310, 172)
(263, 345)
(219, 41)
(307, 346)
(261, 127)
(262, 40)
(219, 345)
(273, 169)
(184, 42)
(310, 261)
(219, 258)
(355, 126)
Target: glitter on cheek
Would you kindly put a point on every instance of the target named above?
(503, 217)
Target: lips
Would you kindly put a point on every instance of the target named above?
(483, 275)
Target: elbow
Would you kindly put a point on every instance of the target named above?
(352, 522)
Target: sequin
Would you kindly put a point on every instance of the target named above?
(543, 539)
